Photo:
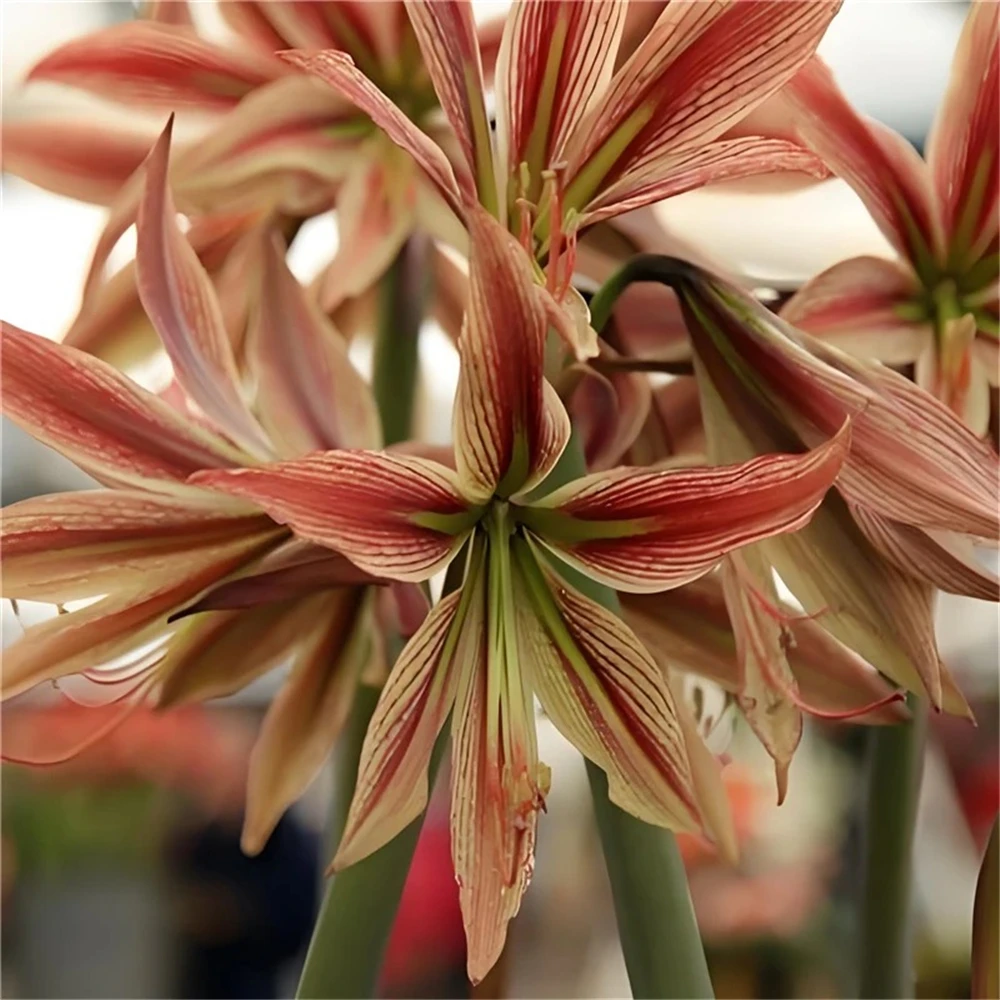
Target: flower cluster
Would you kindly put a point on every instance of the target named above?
(248, 516)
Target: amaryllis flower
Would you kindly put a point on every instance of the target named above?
(917, 490)
(516, 628)
(578, 141)
(259, 143)
(192, 594)
(937, 303)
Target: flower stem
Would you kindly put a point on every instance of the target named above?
(354, 922)
(663, 952)
(401, 297)
(895, 767)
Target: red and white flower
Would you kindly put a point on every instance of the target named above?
(515, 628)
(937, 304)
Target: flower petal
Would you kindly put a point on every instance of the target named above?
(68, 546)
(375, 215)
(883, 168)
(392, 515)
(963, 148)
(608, 413)
(766, 677)
(180, 300)
(854, 306)
(155, 65)
(309, 395)
(295, 569)
(112, 324)
(637, 530)
(78, 159)
(911, 458)
(391, 789)
(944, 559)
(446, 31)
(305, 719)
(701, 68)
(498, 784)
(216, 654)
(656, 178)
(555, 59)
(122, 622)
(604, 693)
(337, 70)
(510, 428)
(97, 417)
(689, 629)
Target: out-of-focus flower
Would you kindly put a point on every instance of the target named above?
(260, 145)
(937, 304)
(917, 490)
(192, 594)
(577, 141)
(515, 628)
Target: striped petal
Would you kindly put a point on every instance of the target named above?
(78, 159)
(309, 395)
(605, 694)
(294, 569)
(179, 298)
(391, 789)
(855, 305)
(216, 654)
(556, 59)
(658, 178)
(689, 629)
(911, 459)
(510, 428)
(98, 418)
(767, 689)
(963, 148)
(286, 145)
(112, 323)
(642, 531)
(498, 784)
(392, 515)
(943, 559)
(700, 70)
(375, 215)
(68, 546)
(155, 65)
(880, 165)
(446, 31)
(337, 70)
(304, 720)
(122, 622)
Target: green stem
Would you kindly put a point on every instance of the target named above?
(402, 293)
(345, 954)
(354, 922)
(895, 767)
(663, 952)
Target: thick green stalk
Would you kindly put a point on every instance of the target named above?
(402, 292)
(663, 952)
(354, 922)
(895, 767)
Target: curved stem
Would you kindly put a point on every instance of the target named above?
(895, 768)
(663, 952)
(354, 922)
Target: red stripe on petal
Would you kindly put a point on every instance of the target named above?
(97, 417)
(364, 504)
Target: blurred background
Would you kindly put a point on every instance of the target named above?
(121, 873)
